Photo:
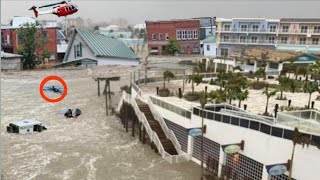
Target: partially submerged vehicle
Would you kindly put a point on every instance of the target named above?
(25, 126)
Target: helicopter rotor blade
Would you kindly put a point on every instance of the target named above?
(53, 4)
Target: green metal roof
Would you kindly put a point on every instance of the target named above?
(105, 46)
(210, 39)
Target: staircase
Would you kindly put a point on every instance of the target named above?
(156, 127)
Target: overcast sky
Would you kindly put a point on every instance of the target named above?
(137, 11)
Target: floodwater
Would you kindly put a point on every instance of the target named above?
(93, 146)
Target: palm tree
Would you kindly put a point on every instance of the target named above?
(241, 96)
(261, 72)
(166, 76)
(298, 138)
(284, 84)
(222, 76)
(194, 78)
(291, 66)
(269, 95)
(311, 88)
(218, 95)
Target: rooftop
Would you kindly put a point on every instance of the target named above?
(26, 122)
(103, 46)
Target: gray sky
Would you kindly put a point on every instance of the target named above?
(137, 11)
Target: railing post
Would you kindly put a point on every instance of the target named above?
(98, 87)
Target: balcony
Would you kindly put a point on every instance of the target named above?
(248, 30)
(300, 43)
(300, 31)
(248, 42)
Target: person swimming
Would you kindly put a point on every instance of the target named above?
(55, 89)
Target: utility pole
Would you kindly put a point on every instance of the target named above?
(202, 129)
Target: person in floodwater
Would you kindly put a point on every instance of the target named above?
(68, 114)
(77, 113)
(55, 89)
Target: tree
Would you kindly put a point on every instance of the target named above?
(222, 76)
(298, 138)
(260, 73)
(166, 76)
(194, 78)
(31, 44)
(235, 82)
(268, 95)
(241, 96)
(292, 66)
(45, 55)
(173, 47)
(218, 95)
(311, 88)
(284, 85)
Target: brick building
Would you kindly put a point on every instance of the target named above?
(10, 40)
(186, 32)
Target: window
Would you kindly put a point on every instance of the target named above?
(243, 39)
(153, 37)
(2, 38)
(208, 47)
(304, 29)
(160, 36)
(167, 36)
(302, 40)
(315, 41)
(78, 50)
(272, 28)
(316, 29)
(195, 49)
(44, 34)
(189, 34)
(254, 39)
(244, 28)
(182, 50)
(271, 40)
(195, 34)
(227, 27)
(285, 29)
(284, 40)
(225, 38)
(255, 28)
(178, 35)
(224, 52)
(184, 34)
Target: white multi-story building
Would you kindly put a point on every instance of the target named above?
(234, 35)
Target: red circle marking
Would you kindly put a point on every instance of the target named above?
(49, 78)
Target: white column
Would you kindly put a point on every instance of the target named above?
(215, 67)
(190, 145)
(222, 161)
(227, 68)
(268, 66)
(265, 175)
(280, 67)
(255, 66)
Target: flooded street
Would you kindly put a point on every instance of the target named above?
(91, 147)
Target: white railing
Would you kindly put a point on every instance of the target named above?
(153, 135)
(168, 132)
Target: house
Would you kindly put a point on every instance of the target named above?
(10, 39)
(184, 31)
(10, 61)
(209, 46)
(94, 46)
(207, 26)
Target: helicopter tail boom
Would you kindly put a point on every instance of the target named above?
(35, 10)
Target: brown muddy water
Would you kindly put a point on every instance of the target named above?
(91, 147)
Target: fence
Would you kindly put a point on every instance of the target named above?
(171, 107)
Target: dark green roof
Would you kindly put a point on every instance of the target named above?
(105, 46)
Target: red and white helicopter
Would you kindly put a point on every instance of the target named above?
(62, 8)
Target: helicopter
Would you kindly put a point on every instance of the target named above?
(62, 8)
